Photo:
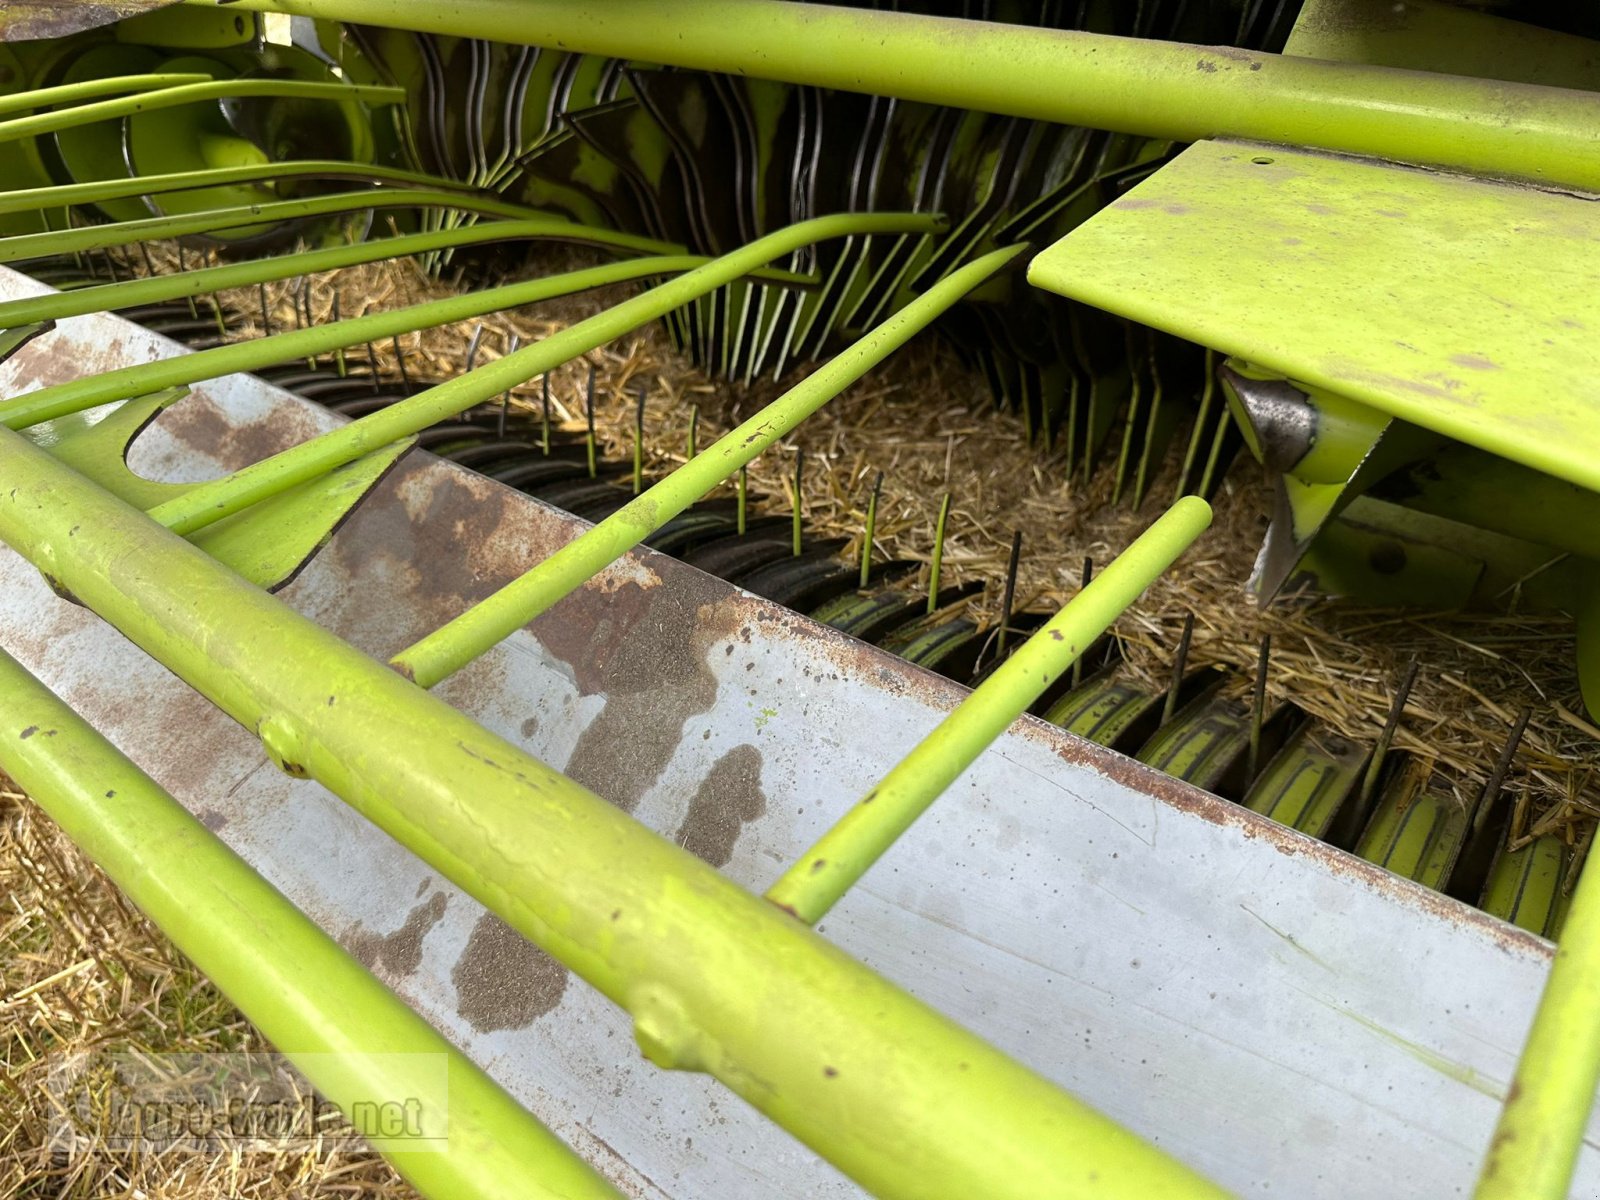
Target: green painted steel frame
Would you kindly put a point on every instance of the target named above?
(356, 1040)
(1167, 90)
(895, 1095)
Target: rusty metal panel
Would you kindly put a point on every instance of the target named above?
(1259, 1004)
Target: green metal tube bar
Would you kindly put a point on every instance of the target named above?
(295, 983)
(108, 297)
(91, 89)
(223, 497)
(92, 191)
(841, 856)
(715, 979)
(76, 395)
(190, 93)
(1166, 90)
(1541, 1130)
(122, 233)
(449, 648)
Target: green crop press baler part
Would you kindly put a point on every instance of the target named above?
(310, 652)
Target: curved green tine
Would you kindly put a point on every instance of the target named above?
(76, 395)
(89, 89)
(189, 93)
(221, 497)
(156, 288)
(122, 233)
(93, 191)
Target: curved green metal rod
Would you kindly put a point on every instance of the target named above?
(817, 880)
(122, 233)
(89, 89)
(156, 288)
(222, 497)
(76, 395)
(1541, 1130)
(189, 93)
(452, 646)
(355, 1039)
(715, 979)
(63, 195)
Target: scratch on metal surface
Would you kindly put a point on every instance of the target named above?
(1290, 938)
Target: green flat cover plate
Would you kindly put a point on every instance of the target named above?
(1466, 306)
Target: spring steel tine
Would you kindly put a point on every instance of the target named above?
(183, 269)
(1258, 708)
(372, 367)
(1084, 581)
(472, 345)
(172, 866)
(544, 428)
(638, 441)
(1369, 782)
(505, 396)
(400, 360)
(338, 351)
(938, 554)
(209, 502)
(588, 412)
(475, 631)
(744, 499)
(1010, 593)
(1180, 664)
(1202, 422)
(1502, 766)
(817, 880)
(870, 531)
(690, 444)
(796, 518)
(123, 382)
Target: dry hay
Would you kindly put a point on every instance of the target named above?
(930, 426)
(81, 971)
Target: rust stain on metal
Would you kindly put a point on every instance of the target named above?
(729, 799)
(504, 981)
(398, 953)
(646, 650)
(201, 424)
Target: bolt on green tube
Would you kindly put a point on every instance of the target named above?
(842, 855)
(1541, 1130)
(223, 497)
(453, 645)
(357, 1041)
